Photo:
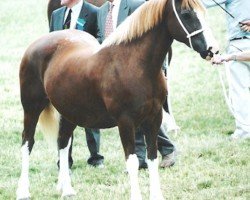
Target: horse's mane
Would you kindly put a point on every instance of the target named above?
(143, 19)
(194, 4)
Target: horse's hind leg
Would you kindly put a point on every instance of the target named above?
(127, 134)
(31, 114)
(70, 154)
(151, 129)
(33, 100)
(64, 141)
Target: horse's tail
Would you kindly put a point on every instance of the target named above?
(49, 123)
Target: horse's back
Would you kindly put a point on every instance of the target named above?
(57, 44)
(60, 40)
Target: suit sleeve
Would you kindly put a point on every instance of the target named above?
(99, 34)
(51, 26)
(135, 4)
(95, 23)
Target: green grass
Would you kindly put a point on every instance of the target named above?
(209, 165)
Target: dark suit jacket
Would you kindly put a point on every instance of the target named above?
(126, 8)
(87, 20)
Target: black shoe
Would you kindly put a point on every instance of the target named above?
(143, 165)
(96, 161)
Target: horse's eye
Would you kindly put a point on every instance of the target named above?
(187, 14)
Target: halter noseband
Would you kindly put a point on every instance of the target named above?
(189, 35)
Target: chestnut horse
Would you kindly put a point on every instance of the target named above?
(55, 4)
(119, 83)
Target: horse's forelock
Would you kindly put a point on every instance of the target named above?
(193, 4)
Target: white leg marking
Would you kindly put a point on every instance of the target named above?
(23, 183)
(155, 190)
(132, 165)
(64, 181)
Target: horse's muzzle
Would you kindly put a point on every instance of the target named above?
(208, 54)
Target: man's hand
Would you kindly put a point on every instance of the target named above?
(245, 25)
(219, 59)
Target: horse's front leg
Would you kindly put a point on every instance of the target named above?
(151, 129)
(127, 134)
(64, 142)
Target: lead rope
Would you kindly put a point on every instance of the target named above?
(176, 128)
(223, 85)
(227, 96)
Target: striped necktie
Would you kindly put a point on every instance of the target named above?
(109, 22)
(66, 24)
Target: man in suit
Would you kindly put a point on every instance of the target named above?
(81, 15)
(119, 10)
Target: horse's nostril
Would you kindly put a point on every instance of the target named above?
(204, 54)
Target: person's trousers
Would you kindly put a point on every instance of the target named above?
(165, 146)
(239, 85)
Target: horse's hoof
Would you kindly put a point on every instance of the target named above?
(69, 192)
(23, 198)
(157, 198)
(26, 198)
(68, 197)
(23, 194)
(136, 197)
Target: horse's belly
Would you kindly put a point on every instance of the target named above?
(90, 118)
(102, 123)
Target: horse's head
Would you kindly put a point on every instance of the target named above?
(186, 24)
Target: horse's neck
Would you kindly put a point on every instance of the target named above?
(152, 48)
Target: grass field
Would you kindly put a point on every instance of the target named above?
(209, 165)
